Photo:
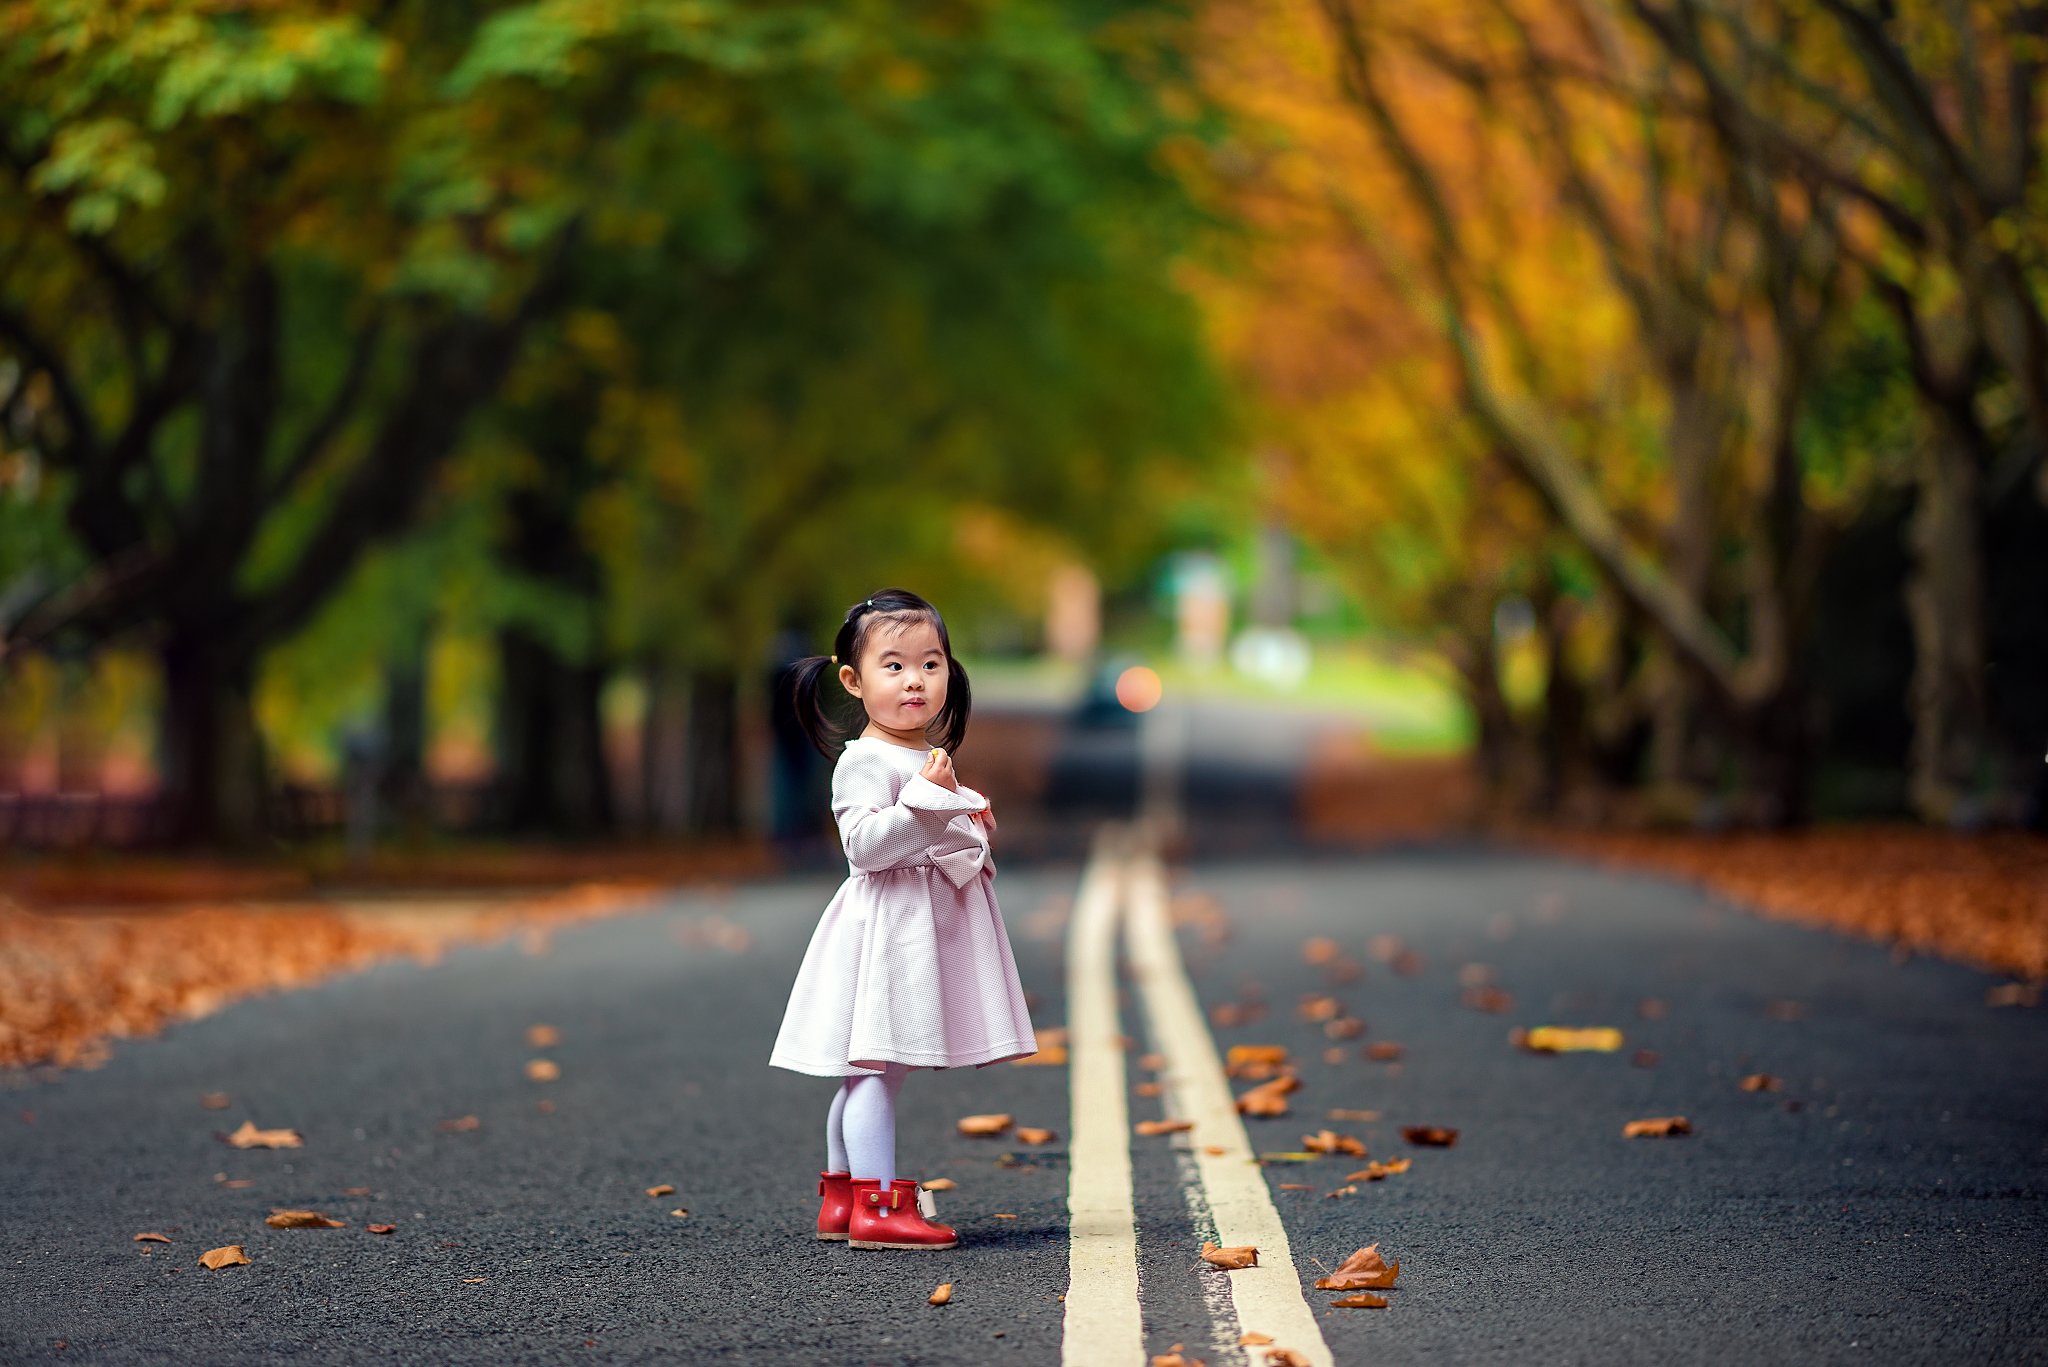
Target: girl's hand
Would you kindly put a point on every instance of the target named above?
(938, 767)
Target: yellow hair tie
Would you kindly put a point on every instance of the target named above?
(835, 659)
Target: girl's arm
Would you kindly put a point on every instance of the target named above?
(879, 831)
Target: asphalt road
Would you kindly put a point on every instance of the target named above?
(1886, 1205)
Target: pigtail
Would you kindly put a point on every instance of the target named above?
(950, 726)
(806, 678)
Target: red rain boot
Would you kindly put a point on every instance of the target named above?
(893, 1218)
(836, 1206)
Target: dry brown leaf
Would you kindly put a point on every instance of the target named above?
(543, 1070)
(1489, 999)
(661, 1189)
(1334, 1055)
(249, 1137)
(301, 1219)
(1762, 1082)
(462, 1124)
(228, 1255)
(1321, 950)
(1176, 1357)
(1002, 1216)
(680, 1213)
(1363, 1300)
(1346, 1113)
(1344, 1027)
(1214, 1150)
(1268, 1098)
(1375, 1171)
(1230, 1259)
(1429, 1136)
(1052, 1048)
(941, 1295)
(1252, 1338)
(1242, 1056)
(1296, 1186)
(234, 1183)
(1224, 1015)
(355, 1191)
(1027, 1134)
(1386, 1051)
(474, 1280)
(1342, 971)
(150, 1236)
(215, 1101)
(1320, 1008)
(1329, 1141)
(1656, 1127)
(1364, 1270)
(1285, 1357)
(1152, 1127)
(381, 1229)
(941, 1184)
(542, 1036)
(1341, 1191)
(985, 1126)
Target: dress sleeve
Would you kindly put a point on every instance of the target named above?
(880, 828)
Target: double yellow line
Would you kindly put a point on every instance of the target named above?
(1126, 883)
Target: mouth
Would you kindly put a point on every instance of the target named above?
(913, 702)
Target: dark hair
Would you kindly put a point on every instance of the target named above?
(895, 607)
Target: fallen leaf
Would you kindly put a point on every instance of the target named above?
(1572, 1039)
(1644, 1058)
(215, 1101)
(1268, 1098)
(941, 1295)
(986, 1126)
(1657, 1127)
(1224, 1015)
(1340, 972)
(1230, 1259)
(663, 1189)
(543, 1070)
(1252, 1338)
(150, 1236)
(462, 1124)
(1344, 1027)
(474, 1280)
(1320, 1008)
(355, 1191)
(1762, 1082)
(1489, 999)
(1052, 1049)
(1475, 975)
(1386, 1051)
(1429, 1136)
(249, 1137)
(1329, 1141)
(680, 1213)
(941, 1184)
(1376, 1171)
(301, 1219)
(1241, 1057)
(1321, 950)
(1363, 1300)
(1175, 1357)
(1152, 1127)
(1341, 1191)
(1333, 1055)
(234, 1183)
(1342, 1113)
(229, 1255)
(1364, 1270)
(1002, 1216)
(1027, 1134)
(542, 1036)
(1285, 1357)
(381, 1229)
(1214, 1150)
(1296, 1186)
(1149, 1089)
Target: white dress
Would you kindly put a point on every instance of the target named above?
(910, 963)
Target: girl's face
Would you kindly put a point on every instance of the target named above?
(902, 677)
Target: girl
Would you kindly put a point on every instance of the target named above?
(910, 966)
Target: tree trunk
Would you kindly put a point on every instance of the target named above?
(551, 766)
(209, 753)
(1945, 604)
(664, 753)
(404, 778)
(713, 751)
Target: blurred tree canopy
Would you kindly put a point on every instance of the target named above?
(674, 322)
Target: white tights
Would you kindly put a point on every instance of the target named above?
(860, 1129)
